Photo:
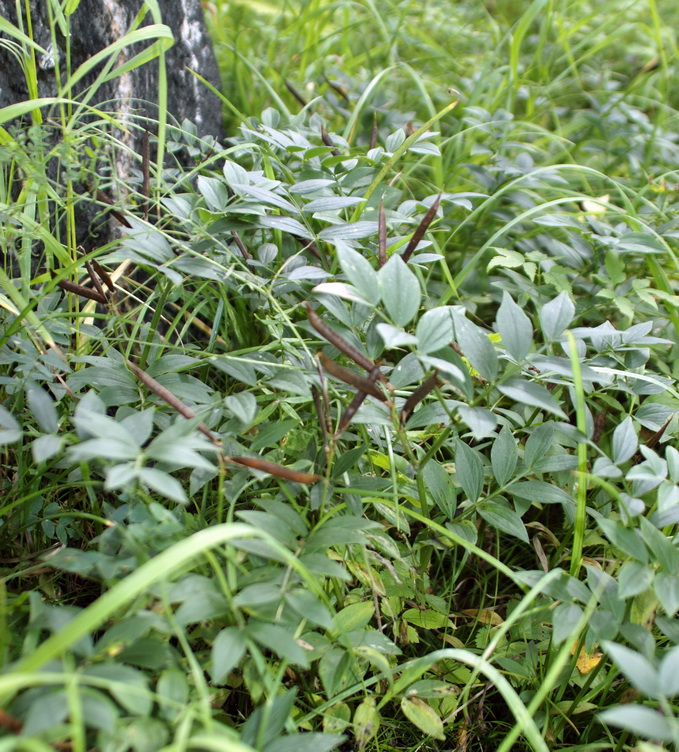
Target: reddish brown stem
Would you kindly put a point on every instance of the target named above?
(421, 229)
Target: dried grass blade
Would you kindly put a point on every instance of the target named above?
(421, 229)
(351, 377)
(166, 394)
(373, 132)
(104, 275)
(95, 280)
(328, 142)
(81, 290)
(257, 463)
(337, 340)
(296, 94)
(418, 395)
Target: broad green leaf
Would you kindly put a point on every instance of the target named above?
(503, 456)
(427, 619)
(640, 720)
(514, 327)
(42, 406)
(469, 468)
(359, 272)
(285, 224)
(214, 192)
(666, 587)
(530, 393)
(476, 347)
(163, 483)
(556, 315)
(540, 492)
(480, 420)
(173, 686)
(9, 428)
(242, 405)
(637, 668)
(538, 443)
(400, 291)
(503, 518)
(348, 231)
(227, 650)
(280, 640)
(440, 487)
(422, 714)
(265, 197)
(352, 617)
(393, 336)
(435, 329)
(566, 617)
(366, 721)
(45, 447)
(310, 186)
(625, 442)
(128, 686)
(625, 539)
(332, 203)
(305, 742)
(634, 578)
(669, 672)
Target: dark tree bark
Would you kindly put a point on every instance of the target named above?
(93, 26)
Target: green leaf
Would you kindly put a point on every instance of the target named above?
(242, 405)
(634, 578)
(514, 327)
(426, 619)
(666, 587)
(163, 484)
(46, 447)
(480, 420)
(393, 336)
(42, 406)
(556, 315)
(352, 617)
(9, 428)
(530, 393)
(636, 667)
(285, 224)
(272, 434)
(332, 203)
(625, 442)
(426, 719)
(435, 329)
(366, 722)
(503, 456)
(128, 686)
(227, 650)
(537, 444)
(540, 492)
(640, 720)
(400, 290)
(348, 231)
(476, 347)
(566, 617)
(280, 640)
(669, 672)
(214, 192)
(503, 518)
(626, 540)
(306, 742)
(440, 488)
(360, 273)
(469, 468)
(173, 686)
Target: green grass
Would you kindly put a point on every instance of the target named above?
(194, 556)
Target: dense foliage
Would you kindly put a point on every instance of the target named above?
(362, 433)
